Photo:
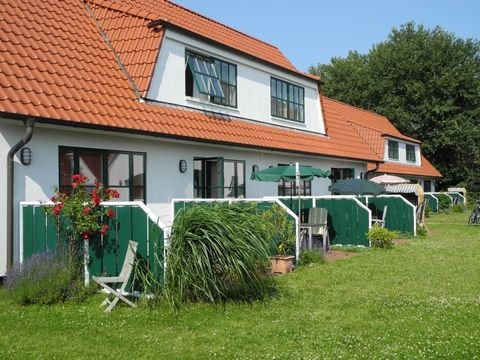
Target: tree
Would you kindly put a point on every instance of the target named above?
(427, 82)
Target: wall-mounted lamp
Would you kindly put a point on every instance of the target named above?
(26, 156)
(254, 168)
(182, 166)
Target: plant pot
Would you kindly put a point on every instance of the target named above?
(282, 264)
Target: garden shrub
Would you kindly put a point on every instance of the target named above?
(380, 237)
(422, 230)
(458, 208)
(217, 253)
(45, 278)
(309, 257)
(444, 203)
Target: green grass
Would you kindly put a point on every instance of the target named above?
(418, 300)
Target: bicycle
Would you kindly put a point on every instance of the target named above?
(474, 218)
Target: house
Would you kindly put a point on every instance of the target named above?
(157, 102)
(401, 155)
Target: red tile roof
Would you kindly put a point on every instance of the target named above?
(55, 65)
(426, 169)
(168, 12)
(373, 128)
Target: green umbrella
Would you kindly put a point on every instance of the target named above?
(356, 187)
(288, 173)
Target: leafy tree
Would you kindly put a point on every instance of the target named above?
(427, 82)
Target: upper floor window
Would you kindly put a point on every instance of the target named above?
(411, 153)
(287, 100)
(210, 79)
(119, 170)
(393, 150)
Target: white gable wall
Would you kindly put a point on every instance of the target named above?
(253, 84)
(163, 179)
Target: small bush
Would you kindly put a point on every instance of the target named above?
(428, 211)
(444, 203)
(380, 237)
(44, 278)
(458, 208)
(310, 257)
(422, 231)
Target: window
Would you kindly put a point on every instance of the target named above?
(411, 153)
(288, 188)
(392, 150)
(287, 100)
(342, 174)
(218, 178)
(427, 185)
(210, 79)
(122, 171)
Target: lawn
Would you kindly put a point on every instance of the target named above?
(418, 300)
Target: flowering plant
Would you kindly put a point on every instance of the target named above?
(82, 210)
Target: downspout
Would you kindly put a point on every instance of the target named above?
(29, 123)
(365, 176)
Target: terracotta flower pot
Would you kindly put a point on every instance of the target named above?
(282, 264)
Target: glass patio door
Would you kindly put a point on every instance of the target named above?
(208, 179)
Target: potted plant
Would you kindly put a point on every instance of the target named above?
(283, 235)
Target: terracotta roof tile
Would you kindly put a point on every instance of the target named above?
(77, 79)
(179, 16)
(372, 128)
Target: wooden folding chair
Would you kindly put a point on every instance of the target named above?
(114, 295)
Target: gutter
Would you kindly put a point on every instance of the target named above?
(365, 176)
(29, 123)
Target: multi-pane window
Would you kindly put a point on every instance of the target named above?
(411, 153)
(289, 188)
(119, 170)
(393, 150)
(342, 174)
(218, 178)
(210, 79)
(287, 100)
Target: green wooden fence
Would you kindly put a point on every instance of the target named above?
(132, 221)
(348, 220)
(456, 195)
(400, 212)
(432, 202)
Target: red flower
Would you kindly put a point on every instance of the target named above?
(57, 209)
(86, 236)
(115, 194)
(95, 198)
(86, 211)
(104, 229)
(110, 213)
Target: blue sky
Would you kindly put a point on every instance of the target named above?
(313, 31)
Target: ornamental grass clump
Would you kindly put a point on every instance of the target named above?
(217, 253)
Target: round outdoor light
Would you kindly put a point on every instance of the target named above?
(26, 156)
(182, 166)
(254, 168)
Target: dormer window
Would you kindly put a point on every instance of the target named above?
(210, 79)
(411, 153)
(287, 100)
(392, 150)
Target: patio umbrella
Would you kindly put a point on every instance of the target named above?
(356, 187)
(389, 180)
(288, 173)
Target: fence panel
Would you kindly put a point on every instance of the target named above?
(348, 221)
(432, 202)
(130, 222)
(400, 212)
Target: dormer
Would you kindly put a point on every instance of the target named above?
(193, 72)
(401, 151)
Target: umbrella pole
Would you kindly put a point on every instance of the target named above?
(297, 186)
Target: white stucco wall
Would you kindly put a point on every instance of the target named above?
(163, 179)
(253, 84)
